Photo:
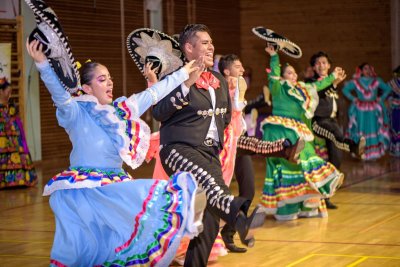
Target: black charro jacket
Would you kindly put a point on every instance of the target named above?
(187, 119)
(326, 98)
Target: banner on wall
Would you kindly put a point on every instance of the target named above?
(5, 61)
(9, 9)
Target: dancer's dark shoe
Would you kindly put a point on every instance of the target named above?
(330, 205)
(358, 149)
(227, 237)
(233, 248)
(245, 225)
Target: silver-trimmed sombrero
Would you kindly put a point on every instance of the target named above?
(55, 44)
(146, 45)
(280, 42)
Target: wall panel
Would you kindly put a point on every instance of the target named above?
(94, 32)
(351, 32)
(222, 17)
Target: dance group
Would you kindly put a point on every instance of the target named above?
(104, 217)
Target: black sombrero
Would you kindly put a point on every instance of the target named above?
(280, 42)
(176, 37)
(55, 44)
(146, 45)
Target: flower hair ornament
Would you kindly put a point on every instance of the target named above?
(79, 65)
(278, 41)
(149, 45)
(55, 44)
(79, 91)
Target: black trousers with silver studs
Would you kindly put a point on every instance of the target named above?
(329, 129)
(244, 173)
(203, 162)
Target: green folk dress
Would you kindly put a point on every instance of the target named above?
(292, 190)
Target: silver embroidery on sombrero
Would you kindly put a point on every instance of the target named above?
(284, 44)
(56, 48)
(214, 193)
(62, 59)
(158, 45)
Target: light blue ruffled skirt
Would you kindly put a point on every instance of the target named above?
(133, 223)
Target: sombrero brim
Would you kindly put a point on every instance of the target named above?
(145, 43)
(65, 67)
(176, 37)
(284, 44)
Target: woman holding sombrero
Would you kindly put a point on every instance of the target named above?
(103, 220)
(103, 216)
(290, 189)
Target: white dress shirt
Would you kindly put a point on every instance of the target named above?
(213, 130)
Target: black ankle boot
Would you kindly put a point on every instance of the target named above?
(233, 248)
(357, 148)
(245, 225)
(329, 204)
(227, 236)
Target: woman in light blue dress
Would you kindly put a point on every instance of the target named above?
(103, 216)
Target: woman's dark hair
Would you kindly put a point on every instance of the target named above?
(316, 56)
(226, 61)
(284, 67)
(86, 71)
(363, 65)
(4, 83)
(190, 30)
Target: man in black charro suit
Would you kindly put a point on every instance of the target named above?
(324, 122)
(193, 118)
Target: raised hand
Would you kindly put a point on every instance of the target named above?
(35, 51)
(339, 74)
(194, 68)
(270, 49)
(149, 73)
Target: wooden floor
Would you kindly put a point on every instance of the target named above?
(364, 231)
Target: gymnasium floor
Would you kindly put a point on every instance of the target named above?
(364, 231)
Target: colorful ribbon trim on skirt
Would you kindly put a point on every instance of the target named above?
(79, 177)
(299, 127)
(173, 222)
